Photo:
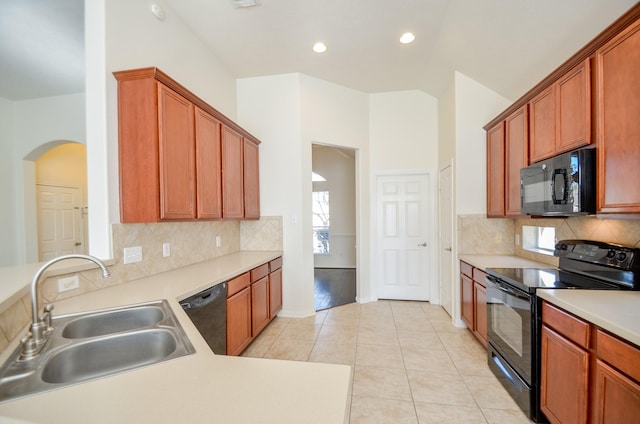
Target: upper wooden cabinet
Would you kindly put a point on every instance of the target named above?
(516, 157)
(495, 171)
(208, 165)
(232, 174)
(618, 123)
(179, 158)
(560, 116)
(251, 180)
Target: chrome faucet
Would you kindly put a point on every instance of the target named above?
(33, 342)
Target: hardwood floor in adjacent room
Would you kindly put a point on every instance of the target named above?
(334, 287)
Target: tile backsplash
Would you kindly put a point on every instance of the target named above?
(190, 242)
(480, 235)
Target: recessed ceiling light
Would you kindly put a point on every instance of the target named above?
(319, 47)
(244, 3)
(407, 38)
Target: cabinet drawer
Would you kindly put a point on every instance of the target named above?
(466, 269)
(566, 324)
(237, 284)
(619, 354)
(479, 277)
(259, 272)
(275, 264)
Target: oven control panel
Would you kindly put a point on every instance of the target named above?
(597, 253)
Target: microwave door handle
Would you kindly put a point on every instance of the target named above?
(564, 194)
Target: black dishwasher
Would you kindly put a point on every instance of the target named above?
(208, 312)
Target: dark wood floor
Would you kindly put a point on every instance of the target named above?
(334, 287)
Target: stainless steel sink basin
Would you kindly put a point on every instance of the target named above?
(96, 344)
(107, 355)
(113, 321)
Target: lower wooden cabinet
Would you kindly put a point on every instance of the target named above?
(564, 384)
(473, 294)
(275, 287)
(259, 305)
(253, 300)
(587, 375)
(238, 321)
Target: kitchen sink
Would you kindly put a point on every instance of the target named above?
(112, 321)
(95, 358)
(95, 344)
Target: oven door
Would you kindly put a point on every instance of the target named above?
(510, 324)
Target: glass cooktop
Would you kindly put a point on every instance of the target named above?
(531, 279)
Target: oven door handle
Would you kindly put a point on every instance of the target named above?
(497, 284)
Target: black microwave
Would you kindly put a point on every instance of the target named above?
(563, 185)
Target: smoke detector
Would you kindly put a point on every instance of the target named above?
(244, 3)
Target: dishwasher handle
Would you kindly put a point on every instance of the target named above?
(205, 297)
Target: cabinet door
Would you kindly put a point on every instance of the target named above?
(495, 171)
(177, 155)
(259, 305)
(542, 119)
(564, 379)
(208, 166)
(275, 292)
(251, 180)
(573, 108)
(232, 174)
(618, 109)
(480, 312)
(239, 321)
(516, 157)
(467, 300)
(617, 398)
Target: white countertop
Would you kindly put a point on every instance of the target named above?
(616, 311)
(202, 387)
(500, 261)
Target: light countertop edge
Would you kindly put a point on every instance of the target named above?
(617, 311)
(197, 387)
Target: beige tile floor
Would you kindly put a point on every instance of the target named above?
(410, 364)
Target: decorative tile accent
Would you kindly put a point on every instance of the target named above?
(480, 235)
(262, 234)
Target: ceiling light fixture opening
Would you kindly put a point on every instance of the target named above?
(407, 38)
(244, 3)
(319, 47)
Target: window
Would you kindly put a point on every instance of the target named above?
(539, 239)
(321, 222)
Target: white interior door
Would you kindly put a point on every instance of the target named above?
(60, 229)
(402, 234)
(445, 229)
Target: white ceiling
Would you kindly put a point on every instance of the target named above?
(507, 45)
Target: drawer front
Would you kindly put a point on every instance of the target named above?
(275, 264)
(479, 276)
(259, 272)
(466, 269)
(619, 354)
(566, 324)
(237, 284)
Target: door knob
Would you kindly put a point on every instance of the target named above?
(448, 249)
(422, 244)
(77, 243)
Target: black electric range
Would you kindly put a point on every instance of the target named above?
(513, 309)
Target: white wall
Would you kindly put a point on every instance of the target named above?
(404, 138)
(475, 105)
(464, 108)
(269, 107)
(8, 252)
